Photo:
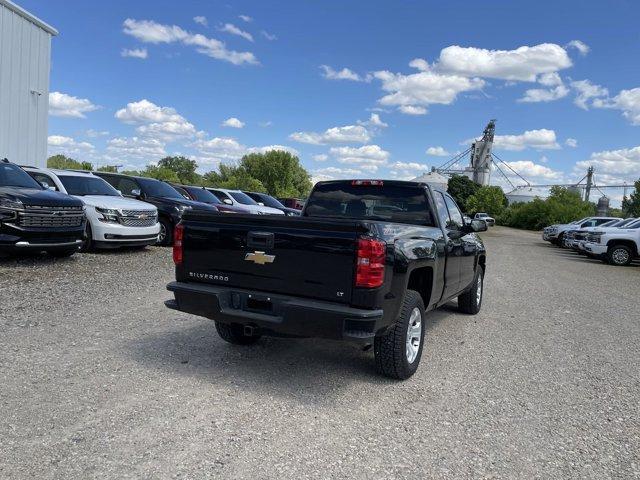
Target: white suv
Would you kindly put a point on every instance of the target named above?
(241, 199)
(618, 246)
(112, 220)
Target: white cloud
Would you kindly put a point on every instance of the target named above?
(233, 122)
(627, 100)
(344, 134)
(147, 149)
(571, 142)
(268, 148)
(63, 105)
(134, 52)
(586, 92)
(542, 139)
(374, 122)
(550, 79)
(415, 92)
(200, 20)
(220, 148)
(162, 123)
(233, 30)
(437, 152)
(344, 74)
(582, 47)
(60, 144)
(535, 95)
(149, 31)
(321, 157)
(245, 18)
(332, 173)
(91, 133)
(618, 165)
(532, 171)
(522, 64)
(367, 157)
(265, 124)
(268, 35)
(412, 110)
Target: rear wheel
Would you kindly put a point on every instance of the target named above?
(620, 255)
(87, 239)
(165, 237)
(471, 300)
(234, 333)
(399, 350)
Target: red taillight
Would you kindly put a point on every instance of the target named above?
(375, 183)
(178, 235)
(370, 263)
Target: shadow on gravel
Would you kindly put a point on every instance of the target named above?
(307, 370)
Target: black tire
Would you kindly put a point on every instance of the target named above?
(63, 253)
(561, 240)
(234, 333)
(619, 255)
(165, 237)
(471, 301)
(391, 349)
(87, 239)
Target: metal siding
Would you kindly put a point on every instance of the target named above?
(25, 50)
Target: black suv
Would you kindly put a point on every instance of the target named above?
(35, 218)
(170, 203)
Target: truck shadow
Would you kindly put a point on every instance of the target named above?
(306, 370)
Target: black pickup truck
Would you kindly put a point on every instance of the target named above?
(364, 262)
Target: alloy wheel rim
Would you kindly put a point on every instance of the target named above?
(479, 290)
(620, 256)
(414, 335)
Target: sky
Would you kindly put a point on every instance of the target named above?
(356, 89)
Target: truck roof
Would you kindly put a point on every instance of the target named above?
(400, 183)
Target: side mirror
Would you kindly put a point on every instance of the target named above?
(136, 193)
(478, 225)
(228, 201)
(261, 204)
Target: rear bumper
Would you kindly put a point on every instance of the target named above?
(277, 315)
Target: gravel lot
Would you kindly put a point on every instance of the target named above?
(99, 380)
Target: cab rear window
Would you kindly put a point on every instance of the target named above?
(387, 202)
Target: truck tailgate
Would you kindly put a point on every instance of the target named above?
(312, 258)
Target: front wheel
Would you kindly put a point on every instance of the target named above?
(471, 300)
(399, 350)
(87, 239)
(620, 255)
(165, 237)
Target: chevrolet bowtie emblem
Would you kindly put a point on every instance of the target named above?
(259, 257)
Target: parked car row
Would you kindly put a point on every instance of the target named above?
(63, 211)
(614, 240)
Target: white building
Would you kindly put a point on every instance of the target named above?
(433, 178)
(25, 58)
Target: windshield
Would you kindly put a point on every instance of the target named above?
(14, 176)
(156, 188)
(242, 198)
(268, 200)
(635, 224)
(87, 185)
(626, 222)
(611, 223)
(202, 195)
(395, 203)
(575, 222)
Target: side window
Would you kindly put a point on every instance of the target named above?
(589, 223)
(44, 179)
(601, 221)
(441, 207)
(221, 195)
(127, 186)
(454, 212)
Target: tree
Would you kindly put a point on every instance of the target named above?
(491, 200)
(63, 162)
(160, 173)
(461, 187)
(275, 172)
(108, 169)
(184, 168)
(631, 205)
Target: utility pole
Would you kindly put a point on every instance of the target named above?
(587, 190)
